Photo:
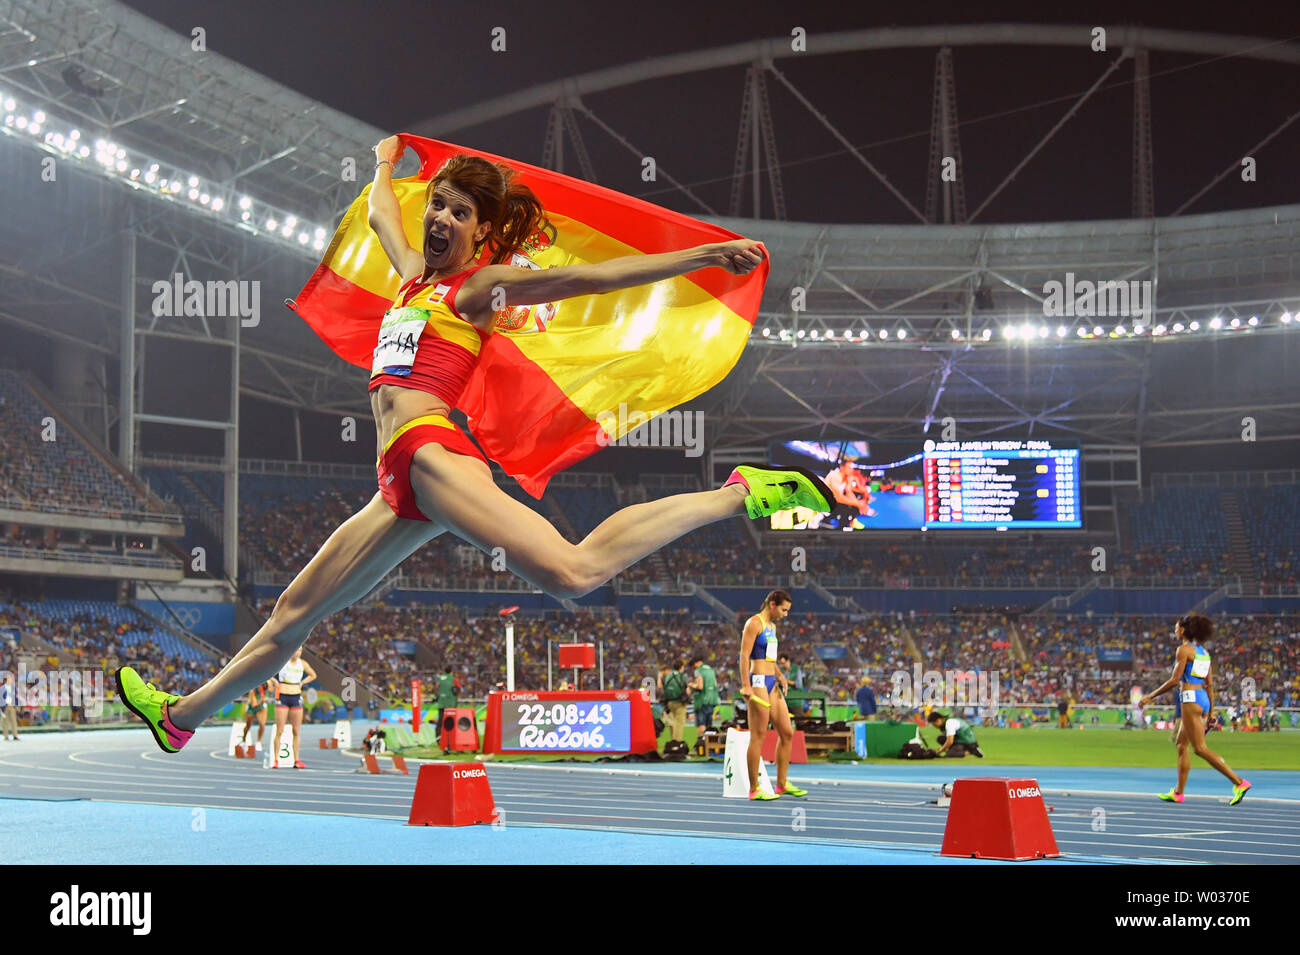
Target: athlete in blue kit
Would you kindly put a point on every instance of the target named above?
(764, 687)
(1194, 679)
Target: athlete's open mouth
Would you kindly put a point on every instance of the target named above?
(437, 244)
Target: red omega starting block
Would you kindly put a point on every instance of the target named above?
(452, 794)
(995, 818)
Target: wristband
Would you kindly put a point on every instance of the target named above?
(382, 161)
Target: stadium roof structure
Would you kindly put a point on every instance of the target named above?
(185, 162)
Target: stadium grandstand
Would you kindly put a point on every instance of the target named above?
(164, 477)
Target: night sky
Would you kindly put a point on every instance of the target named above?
(398, 63)
(402, 61)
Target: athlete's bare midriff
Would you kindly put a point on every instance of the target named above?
(393, 406)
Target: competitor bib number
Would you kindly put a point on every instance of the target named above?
(399, 339)
(1189, 696)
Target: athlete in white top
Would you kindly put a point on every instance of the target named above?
(287, 687)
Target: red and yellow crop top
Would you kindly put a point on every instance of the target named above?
(424, 343)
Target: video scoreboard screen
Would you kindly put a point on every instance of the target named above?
(1012, 484)
(992, 484)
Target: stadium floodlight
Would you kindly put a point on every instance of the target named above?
(1286, 318)
(1081, 332)
(1026, 331)
(987, 334)
(1235, 323)
(1120, 330)
(1042, 331)
(1254, 320)
(767, 332)
(1010, 331)
(830, 335)
(814, 335)
(902, 333)
(883, 334)
(956, 334)
(272, 225)
(1139, 329)
(126, 164)
(801, 333)
(1098, 331)
(1061, 331)
(1195, 326)
(1178, 326)
(1216, 322)
(1159, 330)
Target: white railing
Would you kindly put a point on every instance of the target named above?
(91, 557)
(17, 503)
(1225, 479)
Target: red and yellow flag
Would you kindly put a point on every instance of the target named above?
(550, 382)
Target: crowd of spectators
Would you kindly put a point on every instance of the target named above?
(92, 642)
(53, 475)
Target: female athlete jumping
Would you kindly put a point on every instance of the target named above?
(1194, 678)
(432, 479)
(759, 680)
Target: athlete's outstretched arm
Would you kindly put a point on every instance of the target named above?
(535, 286)
(385, 213)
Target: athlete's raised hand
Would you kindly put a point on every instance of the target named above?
(741, 256)
(389, 150)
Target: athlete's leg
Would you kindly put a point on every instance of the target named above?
(1184, 756)
(248, 723)
(1194, 722)
(457, 491)
(261, 724)
(349, 564)
(281, 714)
(759, 715)
(295, 717)
(781, 720)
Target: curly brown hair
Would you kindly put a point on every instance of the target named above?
(511, 208)
(1197, 627)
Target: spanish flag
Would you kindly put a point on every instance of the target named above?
(551, 380)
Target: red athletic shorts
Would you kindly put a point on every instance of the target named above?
(394, 468)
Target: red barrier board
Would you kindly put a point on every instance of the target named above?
(798, 750)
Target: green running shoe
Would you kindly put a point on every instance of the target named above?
(1171, 796)
(150, 704)
(1239, 792)
(759, 794)
(773, 490)
(790, 789)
